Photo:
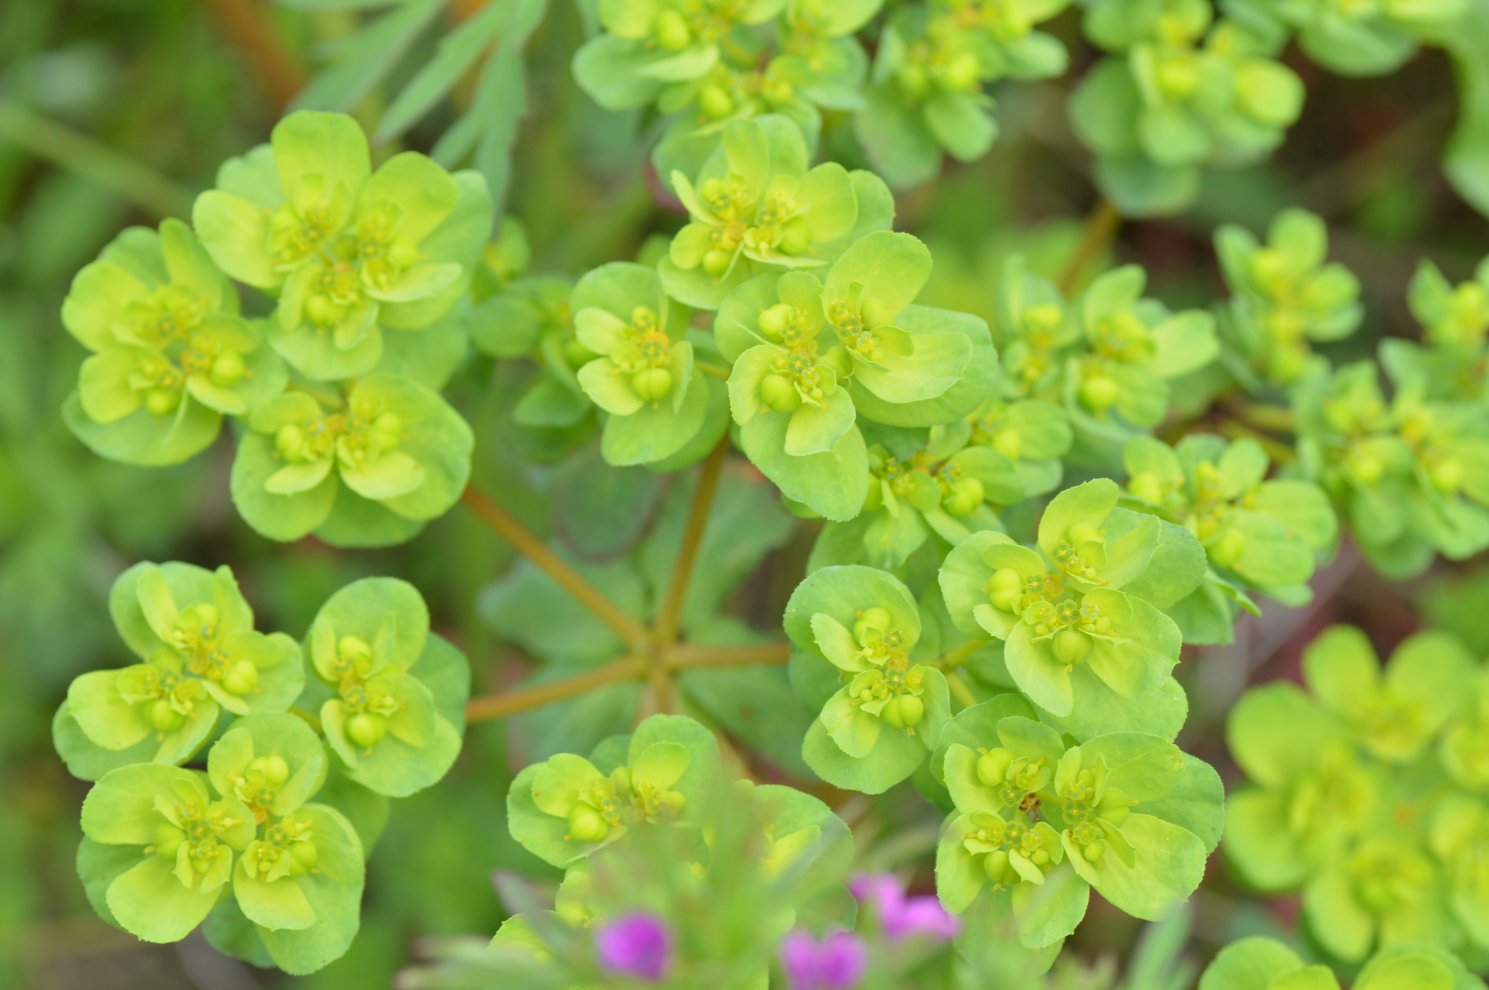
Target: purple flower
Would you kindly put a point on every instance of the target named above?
(901, 916)
(635, 945)
(834, 963)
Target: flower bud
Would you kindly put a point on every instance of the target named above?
(1005, 589)
(162, 401)
(587, 825)
(997, 868)
(671, 31)
(1008, 443)
(904, 711)
(1071, 647)
(714, 102)
(289, 442)
(320, 310)
(1099, 393)
(796, 237)
(1082, 533)
(992, 766)
(652, 384)
(838, 359)
(163, 717)
(870, 621)
(1177, 77)
(227, 369)
(712, 189)
(303, 857)
(1091, 851)
(241, 678)
(1227, 550)
(965, 497)
(365, 729)
(275, 770)
(1447, 475)
(353, 649)
(774, 320)
(716, 262)
(779, 393)
(1147, 486)
(389, 429)
(1365, 465)
(960, 72)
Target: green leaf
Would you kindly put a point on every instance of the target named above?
(334, 892)
(1168, 865)
(833, 483)
(1252, 962)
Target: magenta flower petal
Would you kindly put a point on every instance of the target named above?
(636, 945)
(836, 962)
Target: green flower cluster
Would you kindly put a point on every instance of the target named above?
(1080, 616)
(1368, 794)
(881, 724)
(519, 314)
(1285, 296)
(345, 434)
(934, 488)
(1108, 358)
(1260, 963)
(1409, 476)
(276, 878)
(241, 845)
(1259, 535)
(926, 94)
(1179, 91)
(1356, 39)
(1038, 822)
(1449, 362)
(708, 63)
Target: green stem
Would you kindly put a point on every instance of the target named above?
(495, 706)
(1101, 227)
(959, 690)
(310, 718)
(962, 654)
(64, 147)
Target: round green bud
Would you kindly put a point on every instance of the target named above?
(303, 856)
(321, 311)
(997, 868)
(913, 80)
(1099, 393)
(1091, 851)
(365, 729)
(162, 401)
(275, 770)
(713, 189)
(404, 253)
(168, 839)
(796, 236)
(1008, 443)
(1071, 647)
(774, 320)
(241, 678)
(1447, 475)
(716, 262)
(388, 425)
(779, 393)
(353, 649)
(1005, 589)
(1269, 268)
(652, 384)
(960, 72)
(671, 31)
(227, 369)
(587, 825)
(1043, 318)
(289, 442)
(1115, 806)
(871, 620)
(992, 766)
(1227, 550)
(1147, 486)
(163, 717)
(877, 313)
(1177, 77)
(1365, 466)
(904, 711)
(965, 497)
(714, 102)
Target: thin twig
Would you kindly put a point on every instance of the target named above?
(686, 657)
(692, 540)
(495, 706)
(310, 718)
(509, 528)
(129, 179)
(1101, 227)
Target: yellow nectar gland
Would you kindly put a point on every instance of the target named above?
(356, 436)
(287, 848)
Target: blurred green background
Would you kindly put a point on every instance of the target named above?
(113, 110)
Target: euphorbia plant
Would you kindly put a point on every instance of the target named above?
(999, 527)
